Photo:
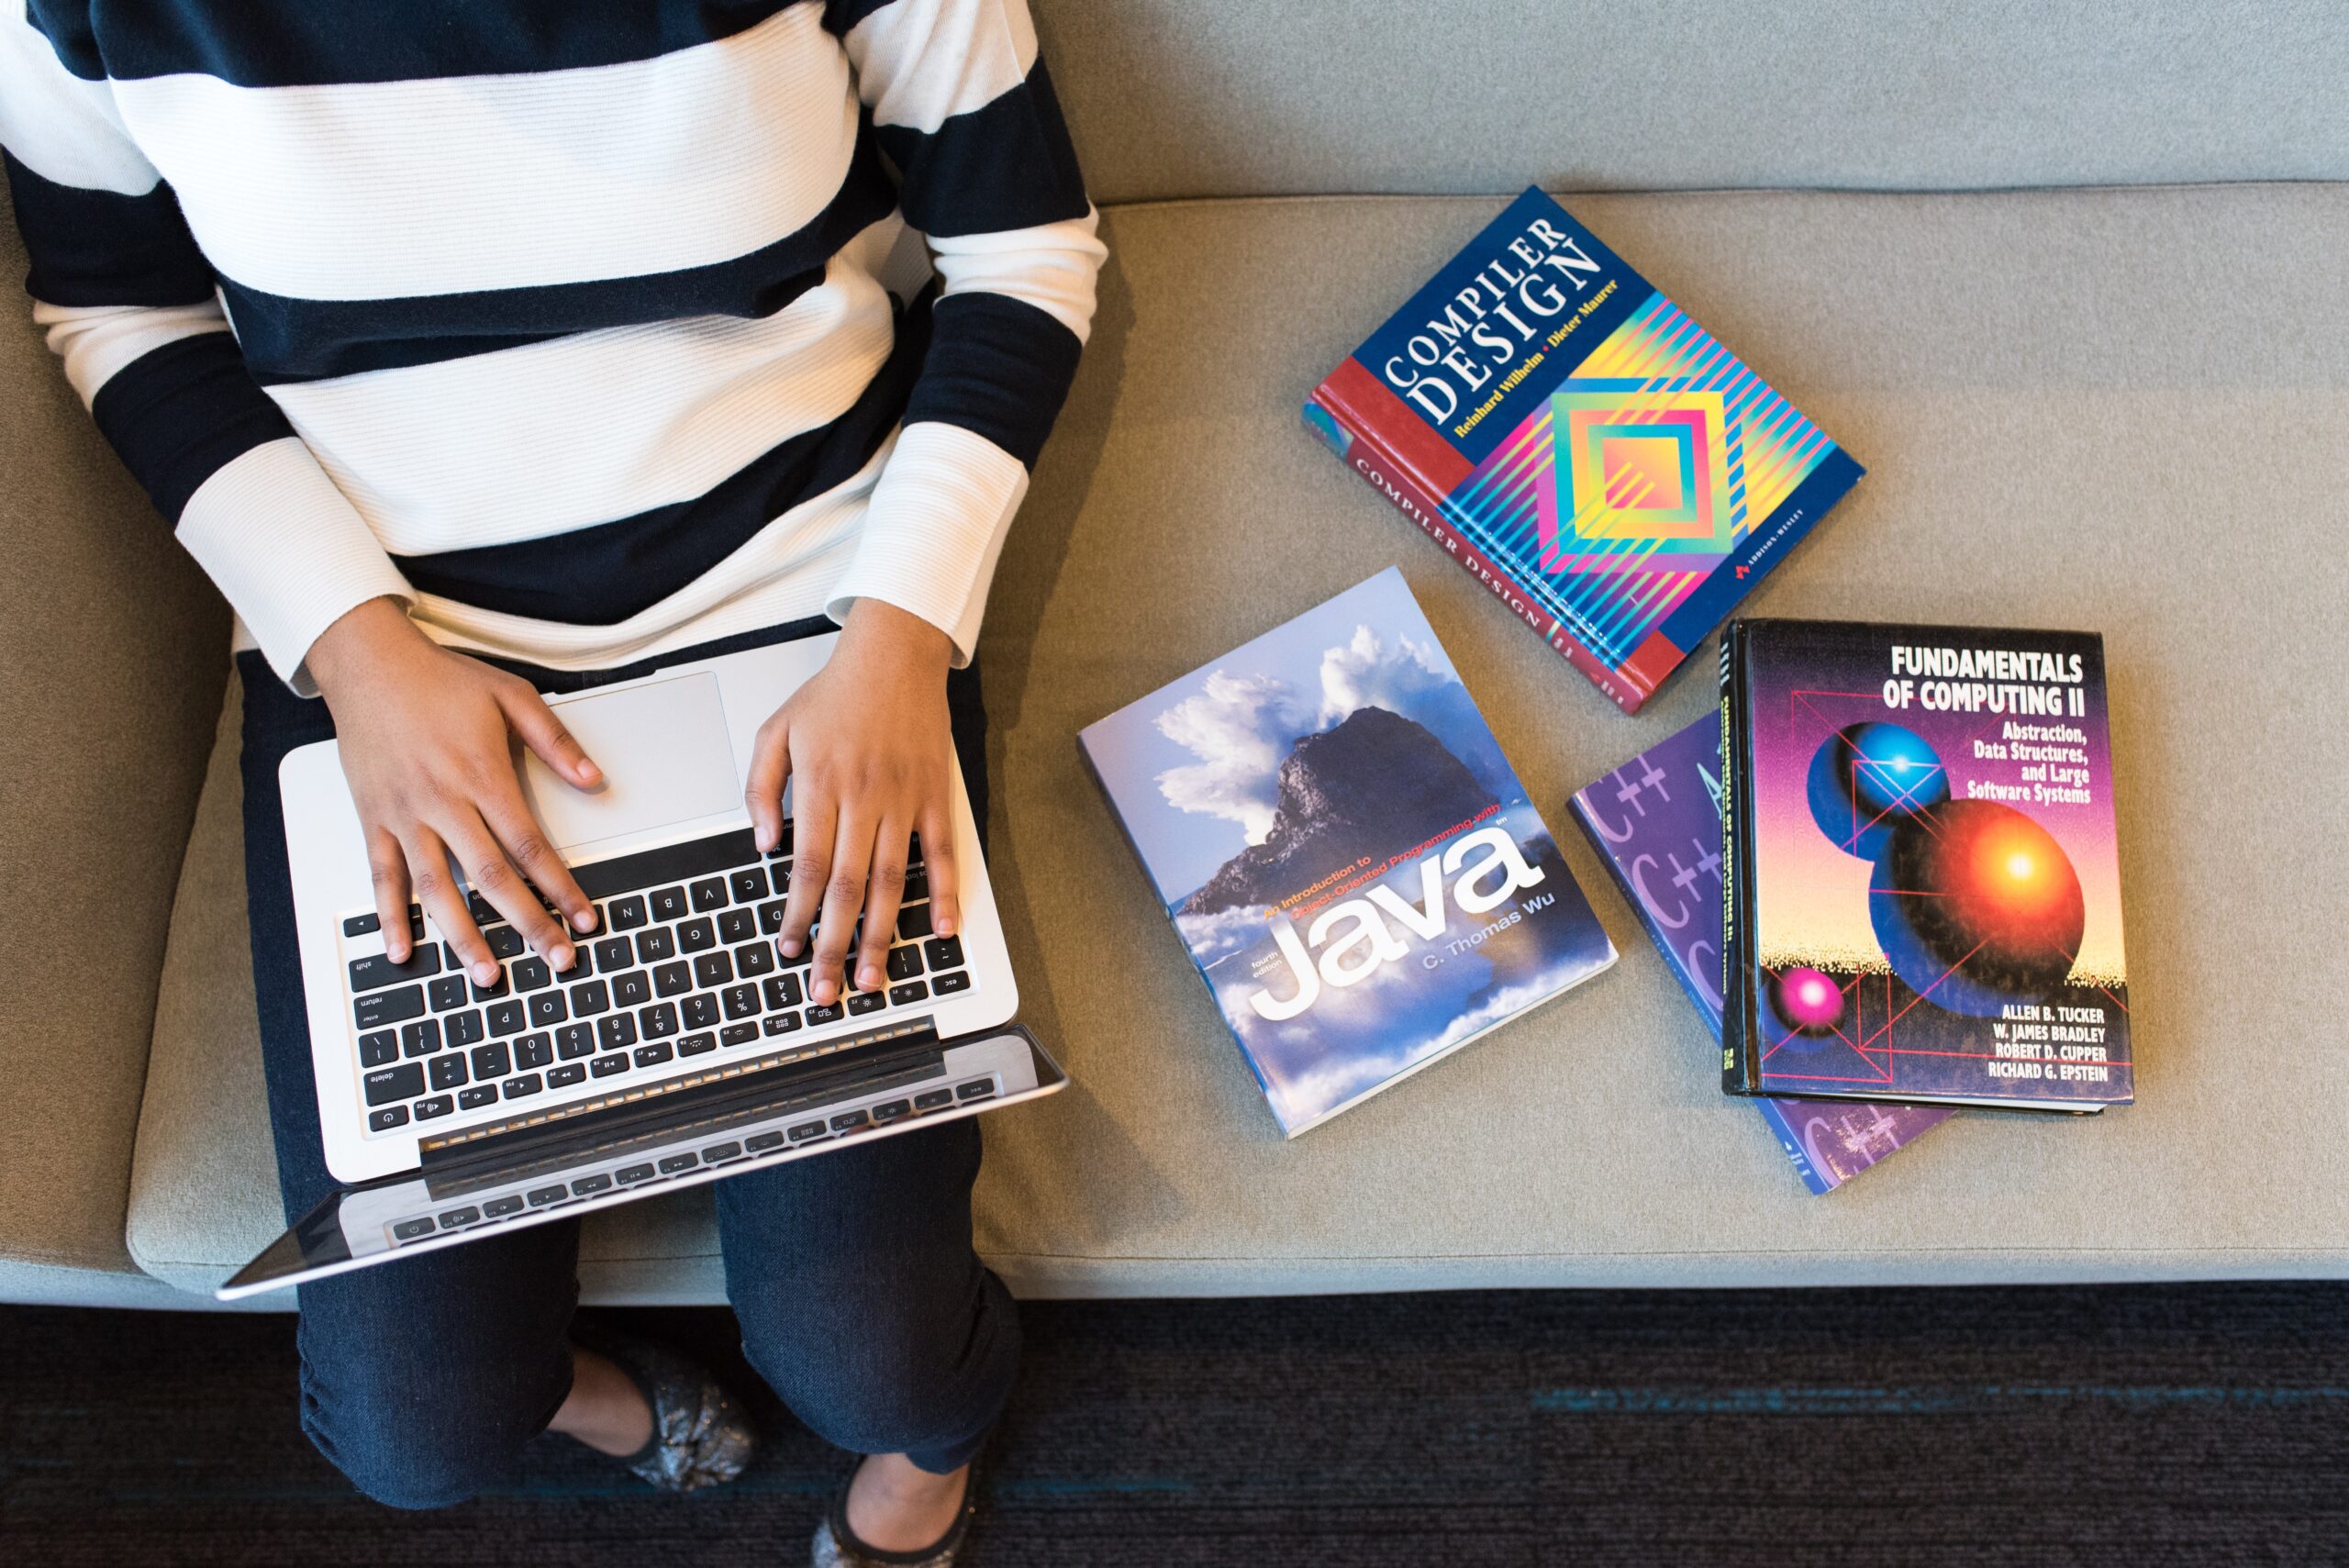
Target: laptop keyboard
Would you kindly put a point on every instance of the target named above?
(682, 963)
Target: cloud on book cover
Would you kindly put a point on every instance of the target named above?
(1243, 726)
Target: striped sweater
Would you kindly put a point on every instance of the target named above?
(589, 330)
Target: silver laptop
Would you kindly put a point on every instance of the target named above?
(683, 1048)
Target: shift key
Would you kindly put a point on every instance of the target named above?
(377, 970)
(378, 1008)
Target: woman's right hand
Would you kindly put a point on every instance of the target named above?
(427, 741)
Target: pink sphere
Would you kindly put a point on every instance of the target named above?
(1809, 1000)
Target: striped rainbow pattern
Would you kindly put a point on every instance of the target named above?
(1610, 586)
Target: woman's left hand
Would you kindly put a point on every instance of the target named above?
(868, 750)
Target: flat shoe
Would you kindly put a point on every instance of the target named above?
(701, 1435)
(837, 1546)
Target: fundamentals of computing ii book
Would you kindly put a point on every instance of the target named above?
(1564, 431)
(1925, 890)
(1345, 852)
(1656, 822)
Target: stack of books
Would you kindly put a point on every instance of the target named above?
(1884, 874)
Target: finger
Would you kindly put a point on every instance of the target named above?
(843, 901)
(437, 890)
(812, 823)
(387, 867)
(496, 879)
(769, 770)
(938, 857)
(529, 716)
(885, 890)
(525, 845)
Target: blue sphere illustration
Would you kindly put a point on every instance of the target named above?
(1867, 779)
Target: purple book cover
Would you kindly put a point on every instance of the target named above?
(1656, 821)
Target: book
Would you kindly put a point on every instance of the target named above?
(1563, 430)
(1924, 901)
(1655, 821)
(1345, 851)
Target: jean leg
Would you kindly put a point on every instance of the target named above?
(421, 1378)
(861, 1302)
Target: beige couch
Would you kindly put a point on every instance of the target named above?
(2068, 279)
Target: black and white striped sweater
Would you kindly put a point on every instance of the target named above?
(573, 324)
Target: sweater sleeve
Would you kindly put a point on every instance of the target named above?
(962, 105)
(130, 304)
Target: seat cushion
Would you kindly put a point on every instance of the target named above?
(2124, 410)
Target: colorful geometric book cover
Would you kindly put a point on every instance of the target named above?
(1616, 478)
(1925, 899)
(1656, 822)
(1347, 855)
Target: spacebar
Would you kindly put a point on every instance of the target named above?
(671, 863)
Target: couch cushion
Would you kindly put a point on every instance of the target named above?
(2119, 410)
(1172, 98)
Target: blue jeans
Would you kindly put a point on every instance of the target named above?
(861, 1300)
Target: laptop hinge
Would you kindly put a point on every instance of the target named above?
(842, 1059)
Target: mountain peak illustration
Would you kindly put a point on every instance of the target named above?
(1374, 784)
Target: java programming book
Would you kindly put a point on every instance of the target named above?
(1925, 897)
(1345, 852)
(1656, 822)
(1617, 478)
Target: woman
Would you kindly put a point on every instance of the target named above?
(478, 348)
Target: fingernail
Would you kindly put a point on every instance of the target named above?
(823, 991)
(562, 957)
(790, 946)
(586, 919)
(946, 926)
(486, 973)
(869, 978)
(588, 770)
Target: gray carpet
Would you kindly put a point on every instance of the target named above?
(2134, 1427)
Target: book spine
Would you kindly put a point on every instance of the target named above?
(1370, 456)
(1738, 1054)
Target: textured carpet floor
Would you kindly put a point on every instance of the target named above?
(2139, 1427)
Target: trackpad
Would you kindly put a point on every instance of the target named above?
(665, 758)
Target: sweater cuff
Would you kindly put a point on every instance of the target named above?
(933, 530)
(288, 549)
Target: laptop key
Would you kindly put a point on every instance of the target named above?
(655, 945)
(671, 979)
(447, 992)
(779, 1023)
(935, 1099)
(696, 1044)
(904, 961)
(377, 970)
(712, 970)
(586, 1186)
(906, 995)
(737, 925)
(464, 1029)
(947, 984)
(741, 1001)
(377, 1009)
(457, 1217)
(447, 1072)
(749, 885)
(534, 1049)
(770, 917)
(387, 1119)
(863, 1002)
(506, 1018)
(499, 1207)
(614, 954)
(484, 993)
(977, 1091)
(541, 1196)
(587, 1000)
(479, 1094)
(818, 1016)
(733, 1034)
(659, 1020)
(892, 1110)
(628, 914)
(719, 1152)
(504, 941)
(943, 952)
(653, 1055)
(759, 1142)
(437, 1106)
(527, 1084)
(707, 894)
(696, 936)
(783, 991)
(531, 974)
(492, 1061)
(421, 1037)
(913, 921)
(361, 924)
(669, 904)
(409, 1230)
(701, 1011)
(564, 1077)
(378, 1050)
(548, 1010)
(628, 1175)
(848, 1121)
(575, 1040)
(616, 1032)
(753, 960)
(605, 1066)
(672, 1164)
(806, 1130)
(917, 885)
(632, 989)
